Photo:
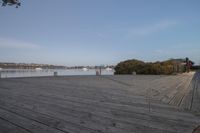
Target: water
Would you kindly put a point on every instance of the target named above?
(8, 73)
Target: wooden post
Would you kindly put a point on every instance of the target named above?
(55, 74)
(134, 73)
(97, 72)
(187, 65)
(100, 71)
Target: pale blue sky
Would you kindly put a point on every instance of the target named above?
(95, 32)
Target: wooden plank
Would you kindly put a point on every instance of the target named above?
(195, 105)
(182, 90)
(84, 105)
(50, 121)
(84, 92)
(9, 127)
(128, 91)
(122, 97)
(187, 101)
(100, 121)
(96, 92)
(29, 125)
(49, 99)
(134, 118)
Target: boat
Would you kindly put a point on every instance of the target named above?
(38, 69)
(109, 69)
(85, 69)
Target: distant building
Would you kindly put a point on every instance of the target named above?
(182, 65)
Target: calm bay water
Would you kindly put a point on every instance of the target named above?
(7, 73)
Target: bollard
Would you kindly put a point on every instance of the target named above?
(134, 73)
(100, 71)
(97, 73)
(55, 74)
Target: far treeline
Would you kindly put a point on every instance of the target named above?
(171, 66)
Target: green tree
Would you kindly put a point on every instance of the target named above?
(129, 66)
(166, 67)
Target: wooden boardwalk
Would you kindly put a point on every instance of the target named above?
(100, 104)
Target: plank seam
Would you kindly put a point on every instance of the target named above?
(16, 125)
(31, 119)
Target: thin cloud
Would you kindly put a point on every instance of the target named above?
(16, 44)
(156, 27)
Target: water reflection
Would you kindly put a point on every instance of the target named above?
(6, 73)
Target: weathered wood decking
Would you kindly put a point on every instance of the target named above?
(100, 104)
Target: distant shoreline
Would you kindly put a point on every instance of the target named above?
(6, 65)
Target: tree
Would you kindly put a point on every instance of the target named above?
(129, 66)
(165, 67)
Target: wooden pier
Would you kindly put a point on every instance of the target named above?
(100, 104)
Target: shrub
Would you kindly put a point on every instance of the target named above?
(156, 68)
(129, 66)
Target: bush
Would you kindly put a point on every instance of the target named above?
(140, 67)
(129, 66)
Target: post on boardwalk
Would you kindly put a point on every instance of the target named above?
(55, 74)
(187, 65)
(100, 67)
(134, 73)
(97, 72)
(100, 70)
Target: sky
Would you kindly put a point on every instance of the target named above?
(99, 32)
